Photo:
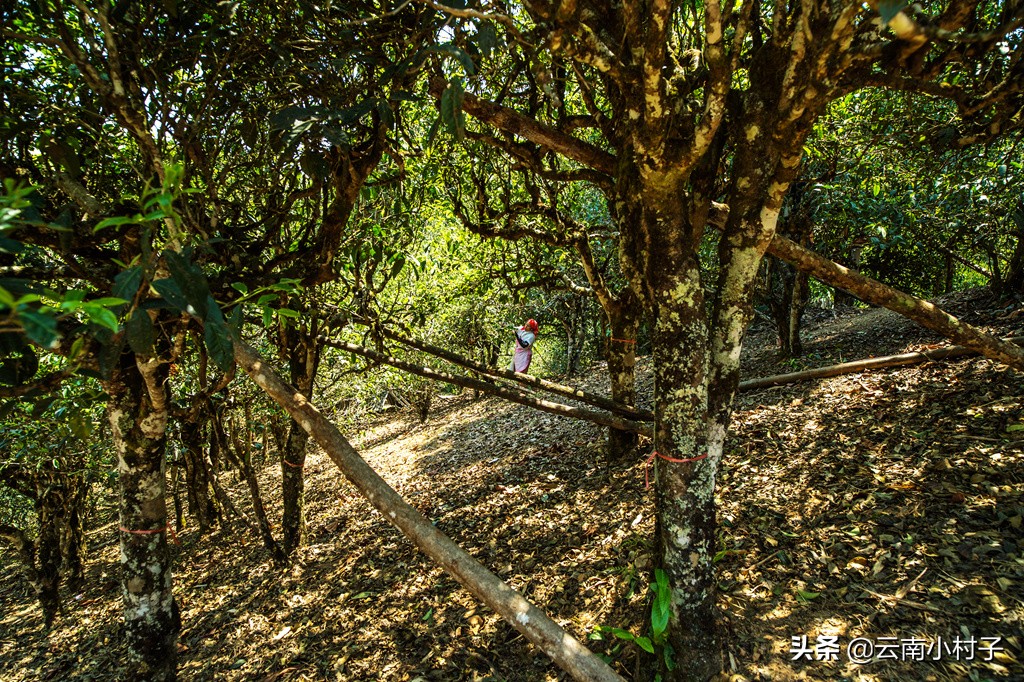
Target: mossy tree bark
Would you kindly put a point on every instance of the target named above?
(138, 407)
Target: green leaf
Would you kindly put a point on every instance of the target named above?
(288, 312)
(171, 292)
(40, 327)
(487, 38)
(101, 316)
(1014, 427)
(659, 619)
(622, 634)
(888, 9)
(645, 644)
(190, 280)
(669, 656)
(875, 188)
(127, 282)
(460, 54)
(397, 266)
(802, 595)
(140, 332)
(432, 133)
(217, 336)
(113, 222)
(109, 301)
(235, 318)
(451, 110)
(240, 287)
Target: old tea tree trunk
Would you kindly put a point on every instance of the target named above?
(303, 354)
(138, 410)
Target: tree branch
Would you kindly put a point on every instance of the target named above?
(534, 624)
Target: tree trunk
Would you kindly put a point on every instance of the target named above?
(73, 546)
(1014, 280)
(622, 375)
(684, 497)
(303, 354)
(201, 504)
(861, 366)
(138, 410)
(26, 551)
(49, 509)
(788, 298)
(243, 454)
(787, 285)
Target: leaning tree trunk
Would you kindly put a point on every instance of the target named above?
(138, 410)
(303, 359)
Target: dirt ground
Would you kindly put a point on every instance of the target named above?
(881, 507)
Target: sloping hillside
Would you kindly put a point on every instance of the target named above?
(884, 504)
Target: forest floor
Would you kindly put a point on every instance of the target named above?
(885, 505)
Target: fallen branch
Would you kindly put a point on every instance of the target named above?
(926, 314)
(861, 365)
(525, 379)
(565, 650)
(603, 418)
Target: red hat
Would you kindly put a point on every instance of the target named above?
(532, 325)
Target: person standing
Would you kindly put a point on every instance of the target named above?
(525, 338)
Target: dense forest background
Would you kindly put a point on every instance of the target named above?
(216, 216)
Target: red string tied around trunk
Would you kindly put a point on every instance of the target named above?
(674, 460)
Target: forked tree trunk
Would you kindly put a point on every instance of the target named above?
(138, 411)
(201, 504)
(789, 298)
(58, 552)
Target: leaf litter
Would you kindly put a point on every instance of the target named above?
(881, 504)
